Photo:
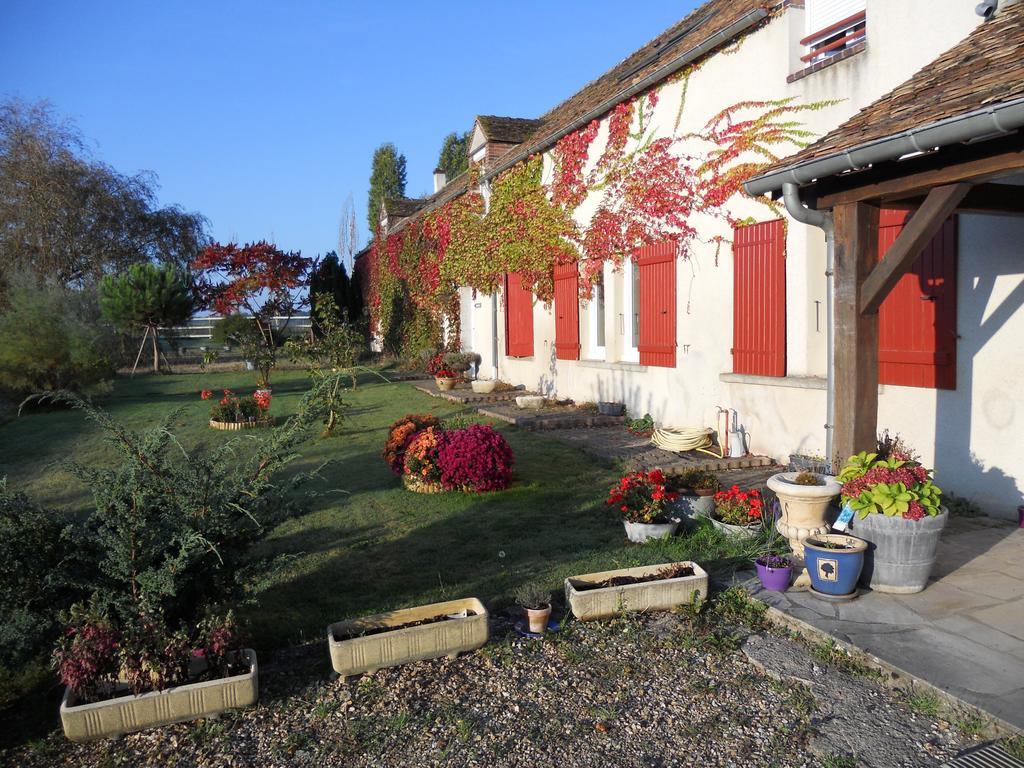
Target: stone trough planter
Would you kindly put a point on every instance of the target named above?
(125, 714)
(353, 653)
(660, 595)
(483, 386)
(530, 402)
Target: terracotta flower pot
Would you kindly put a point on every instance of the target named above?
(445, 384)
(538, 618)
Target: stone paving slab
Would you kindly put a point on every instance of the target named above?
(617, 444)
(553, 418)
(964, 634)
(464, 394)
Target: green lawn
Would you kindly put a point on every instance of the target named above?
(368, 545)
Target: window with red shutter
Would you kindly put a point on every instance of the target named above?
(917, 320)
(657, 265)
(759, 299)
(518, 317)
(567, 311)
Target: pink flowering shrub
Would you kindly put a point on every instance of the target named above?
(475, 458)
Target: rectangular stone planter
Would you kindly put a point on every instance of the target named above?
(353, 655)
(646, 596)
(113, 717)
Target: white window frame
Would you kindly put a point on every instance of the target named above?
(596, 351)
(630, 339)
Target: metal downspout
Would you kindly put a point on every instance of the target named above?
(822, 220)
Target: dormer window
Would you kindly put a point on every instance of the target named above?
(833, 27)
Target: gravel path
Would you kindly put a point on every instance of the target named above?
(660, 690)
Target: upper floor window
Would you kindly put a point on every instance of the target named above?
(833, 26)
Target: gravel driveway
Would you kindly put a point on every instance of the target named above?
(660, 690)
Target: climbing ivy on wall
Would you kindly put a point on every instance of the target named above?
(648, 188)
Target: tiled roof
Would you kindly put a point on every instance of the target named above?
(984, 69)
(453, 188)
(401, 207)
(711, 17)
(511, 130)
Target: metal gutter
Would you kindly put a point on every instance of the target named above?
(742, 24)
(983, 123)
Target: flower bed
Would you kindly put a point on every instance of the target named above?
(232, 412)
(430, 458)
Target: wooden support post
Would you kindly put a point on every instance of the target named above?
(856, 335)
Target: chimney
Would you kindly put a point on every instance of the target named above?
(439, 180)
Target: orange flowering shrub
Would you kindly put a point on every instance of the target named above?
(401, 433)
(421, 456)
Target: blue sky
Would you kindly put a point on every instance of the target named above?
(264, 115)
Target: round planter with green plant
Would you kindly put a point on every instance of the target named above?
(535, 600)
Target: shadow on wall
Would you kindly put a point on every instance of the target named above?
(985, 388)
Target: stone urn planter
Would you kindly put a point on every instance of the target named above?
(483, 386)
(125, 714)
(611, 409)
(610, 593)
(638, 533)
(900, 552)
(530, 402)
(803, 510)
(410, 634)
(445, 384)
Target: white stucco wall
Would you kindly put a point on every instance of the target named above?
(970, 435)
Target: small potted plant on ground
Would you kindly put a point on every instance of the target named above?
(834, 562)
(645, 504)
(898, 511)
(696, 489)
(774, 572)
(535, 600)
(738, 513)
(444, 375)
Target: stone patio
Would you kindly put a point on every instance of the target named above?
(614, 444)
(464, 394)
(554, 417)
(964, 634)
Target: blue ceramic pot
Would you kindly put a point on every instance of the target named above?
(834, 562)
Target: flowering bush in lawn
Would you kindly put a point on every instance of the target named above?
(737, 507)
(476, 458)
(642, 497)
(421, 460)
(401, 433)
(889, 482)
(234, 409)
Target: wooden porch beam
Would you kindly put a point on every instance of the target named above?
(856, 334)
(916, 176)
(989, 199)
(922, 227)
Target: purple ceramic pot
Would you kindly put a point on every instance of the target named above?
(773, 579)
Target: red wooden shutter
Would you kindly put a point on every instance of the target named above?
(518, 317)
(657, 265)
(759, 299)
(917, 320)
(567, 311)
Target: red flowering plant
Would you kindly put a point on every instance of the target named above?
(736, 507)
(890, 482)
(401, 433)
(86, 656)
(438, 368)
(475, 458)
(642, 497)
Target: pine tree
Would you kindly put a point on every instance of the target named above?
(147, 297)
(387, 180)
(330, 278)
(454, 158)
